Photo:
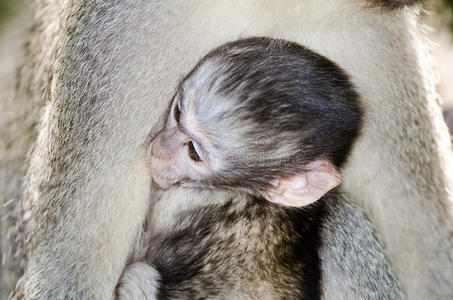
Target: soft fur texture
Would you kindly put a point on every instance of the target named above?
(140, 281)
(264, 109)
(393, 4)
(223, 245)
(245, 247)
(102, 72)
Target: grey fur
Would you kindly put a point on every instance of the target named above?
(354, 263)
(245, 247)
(232, 249)
(128, 54)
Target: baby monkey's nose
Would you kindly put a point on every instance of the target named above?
(168, 143)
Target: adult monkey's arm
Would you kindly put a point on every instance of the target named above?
(112, 67)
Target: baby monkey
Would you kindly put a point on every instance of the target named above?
(267, 124)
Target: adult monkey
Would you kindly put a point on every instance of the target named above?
(107, 68)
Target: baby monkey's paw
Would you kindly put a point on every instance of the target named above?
(140, 281)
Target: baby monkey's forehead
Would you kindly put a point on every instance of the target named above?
(210, 73)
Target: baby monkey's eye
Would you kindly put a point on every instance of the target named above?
(177, 113)
(193, 153)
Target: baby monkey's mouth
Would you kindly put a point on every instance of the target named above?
(164, 182)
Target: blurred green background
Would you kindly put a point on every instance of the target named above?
(443, 10)
(8, 9)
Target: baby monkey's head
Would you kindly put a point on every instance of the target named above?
(260, 115)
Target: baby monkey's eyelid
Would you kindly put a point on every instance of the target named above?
(177, 112)
(193, 153)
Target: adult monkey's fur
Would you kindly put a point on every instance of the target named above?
(103, 73)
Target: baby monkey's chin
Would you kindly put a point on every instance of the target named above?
(165, 184)
(162, 182)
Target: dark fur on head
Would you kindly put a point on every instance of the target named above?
(239, 245)
(286, 97)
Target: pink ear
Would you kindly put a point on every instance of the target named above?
(306, 187)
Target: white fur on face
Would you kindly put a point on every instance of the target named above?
(222, 124)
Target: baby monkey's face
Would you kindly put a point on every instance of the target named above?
(203, 143)
(182, 151)
(261, 116)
